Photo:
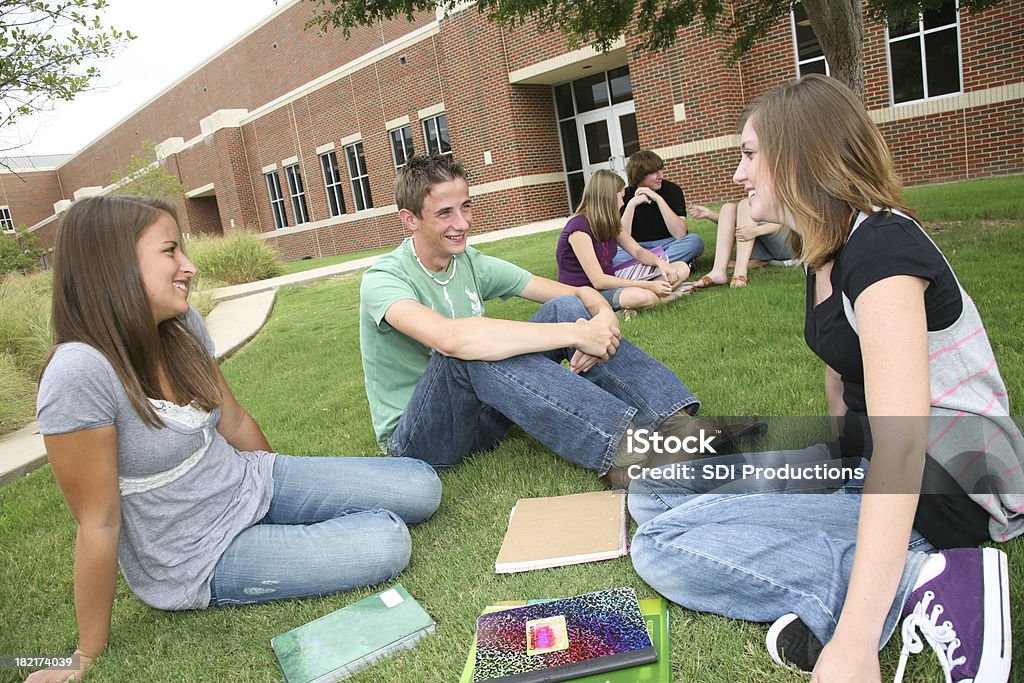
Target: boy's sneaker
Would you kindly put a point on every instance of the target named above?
(963, 613)
(791, 643)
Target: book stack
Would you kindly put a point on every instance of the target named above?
(603, 637)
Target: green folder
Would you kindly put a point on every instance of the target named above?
(337, 645)
(655, 611)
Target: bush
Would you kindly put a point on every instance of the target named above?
(232, 260)
(24, 343)
(25, 319)
(17, 395)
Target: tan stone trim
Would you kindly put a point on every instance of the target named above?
(515, 183)
(269, 168)
(679, 112)
(432, 110)
(390, 209)
(290, 161)
(324, 149)
(204, 191)
(968, 100)
(400, 122)
(529, 73)
(699, 147)
(351, 139)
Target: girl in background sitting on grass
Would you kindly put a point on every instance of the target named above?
(841, 563)
(162, 469)
(760, 240)
(591, 239)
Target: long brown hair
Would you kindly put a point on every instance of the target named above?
(827, 160)
(99, 300)
(600, 205)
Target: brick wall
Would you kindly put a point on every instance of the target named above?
(29, 195)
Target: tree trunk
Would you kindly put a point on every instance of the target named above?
(839, 25)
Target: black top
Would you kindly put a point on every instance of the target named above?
(648, 223)
(886, 245)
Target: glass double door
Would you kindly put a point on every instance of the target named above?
(597, 125)
(608, 137)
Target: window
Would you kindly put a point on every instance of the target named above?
(276, 200)
(298, 194)
(6, 222)
(401, 144)
(924, 55)
(435, 132)
(332, 181)
(360, 179)
(809, 57)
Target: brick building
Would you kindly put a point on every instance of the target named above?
(298, 135)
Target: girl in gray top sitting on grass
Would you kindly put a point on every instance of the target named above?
(164, 472)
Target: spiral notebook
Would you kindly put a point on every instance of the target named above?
(562, 639)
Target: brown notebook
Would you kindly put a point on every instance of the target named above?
(562, 530)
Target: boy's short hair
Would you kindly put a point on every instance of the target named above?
(641, 164)
(414, 181)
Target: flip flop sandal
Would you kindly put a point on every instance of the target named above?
(705, 282)
(738, 281)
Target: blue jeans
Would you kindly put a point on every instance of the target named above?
(334, 524)
(685, 249)
(761, 550)
(462, 407)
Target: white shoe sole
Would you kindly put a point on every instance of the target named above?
(996, 646)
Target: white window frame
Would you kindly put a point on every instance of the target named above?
(293, 176)
(920, 36)
(796, 47)
(406, 152)
(435, 122)
(6, 221)
(332, 183)
(276, 199)
(359, 176)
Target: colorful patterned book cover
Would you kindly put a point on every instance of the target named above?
(655, 611)
(562, 639)
(337, 645)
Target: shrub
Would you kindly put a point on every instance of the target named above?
(17, 394)
(25, 319)
(233, 259)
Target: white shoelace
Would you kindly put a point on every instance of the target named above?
(940, 636)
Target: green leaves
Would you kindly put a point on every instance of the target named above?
(46, 47)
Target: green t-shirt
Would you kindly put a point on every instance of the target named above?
(392, 362)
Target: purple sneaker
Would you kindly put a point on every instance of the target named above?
(963, 613)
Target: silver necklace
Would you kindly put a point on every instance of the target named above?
(455, 268)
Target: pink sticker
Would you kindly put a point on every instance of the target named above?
(546, 635)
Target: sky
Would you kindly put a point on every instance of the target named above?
(172, 39)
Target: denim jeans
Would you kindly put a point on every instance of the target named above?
(760, 553)
(462, 407)
(685, 249)
(334, 524)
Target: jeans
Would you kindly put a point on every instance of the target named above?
(759, 554)
(462, 407)
(334, 524)
(685, 249)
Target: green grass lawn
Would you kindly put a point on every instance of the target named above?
(740, 351)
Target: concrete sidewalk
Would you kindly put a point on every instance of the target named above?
(240, 312)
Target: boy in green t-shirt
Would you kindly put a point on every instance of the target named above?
(444, 381)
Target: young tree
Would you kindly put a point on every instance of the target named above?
(46, 47)
(17, 254)
(145, 176)
(839, 24)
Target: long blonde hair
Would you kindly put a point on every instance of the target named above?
(600, 204)
(827, 160)
(99, 300)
